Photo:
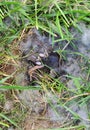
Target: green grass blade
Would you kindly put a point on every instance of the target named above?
(62, 13)
(4, 124)
(6, 118)
(59, 26)
(20, 87)
(36, 14)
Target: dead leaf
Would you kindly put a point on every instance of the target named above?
(33, 69)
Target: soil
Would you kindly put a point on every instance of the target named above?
(40, 61)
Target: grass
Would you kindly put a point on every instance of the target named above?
(69, 128)
(8, 118)
(54, 17)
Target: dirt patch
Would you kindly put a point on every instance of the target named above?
(39, 122)
(43, 65)
(41, 58)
